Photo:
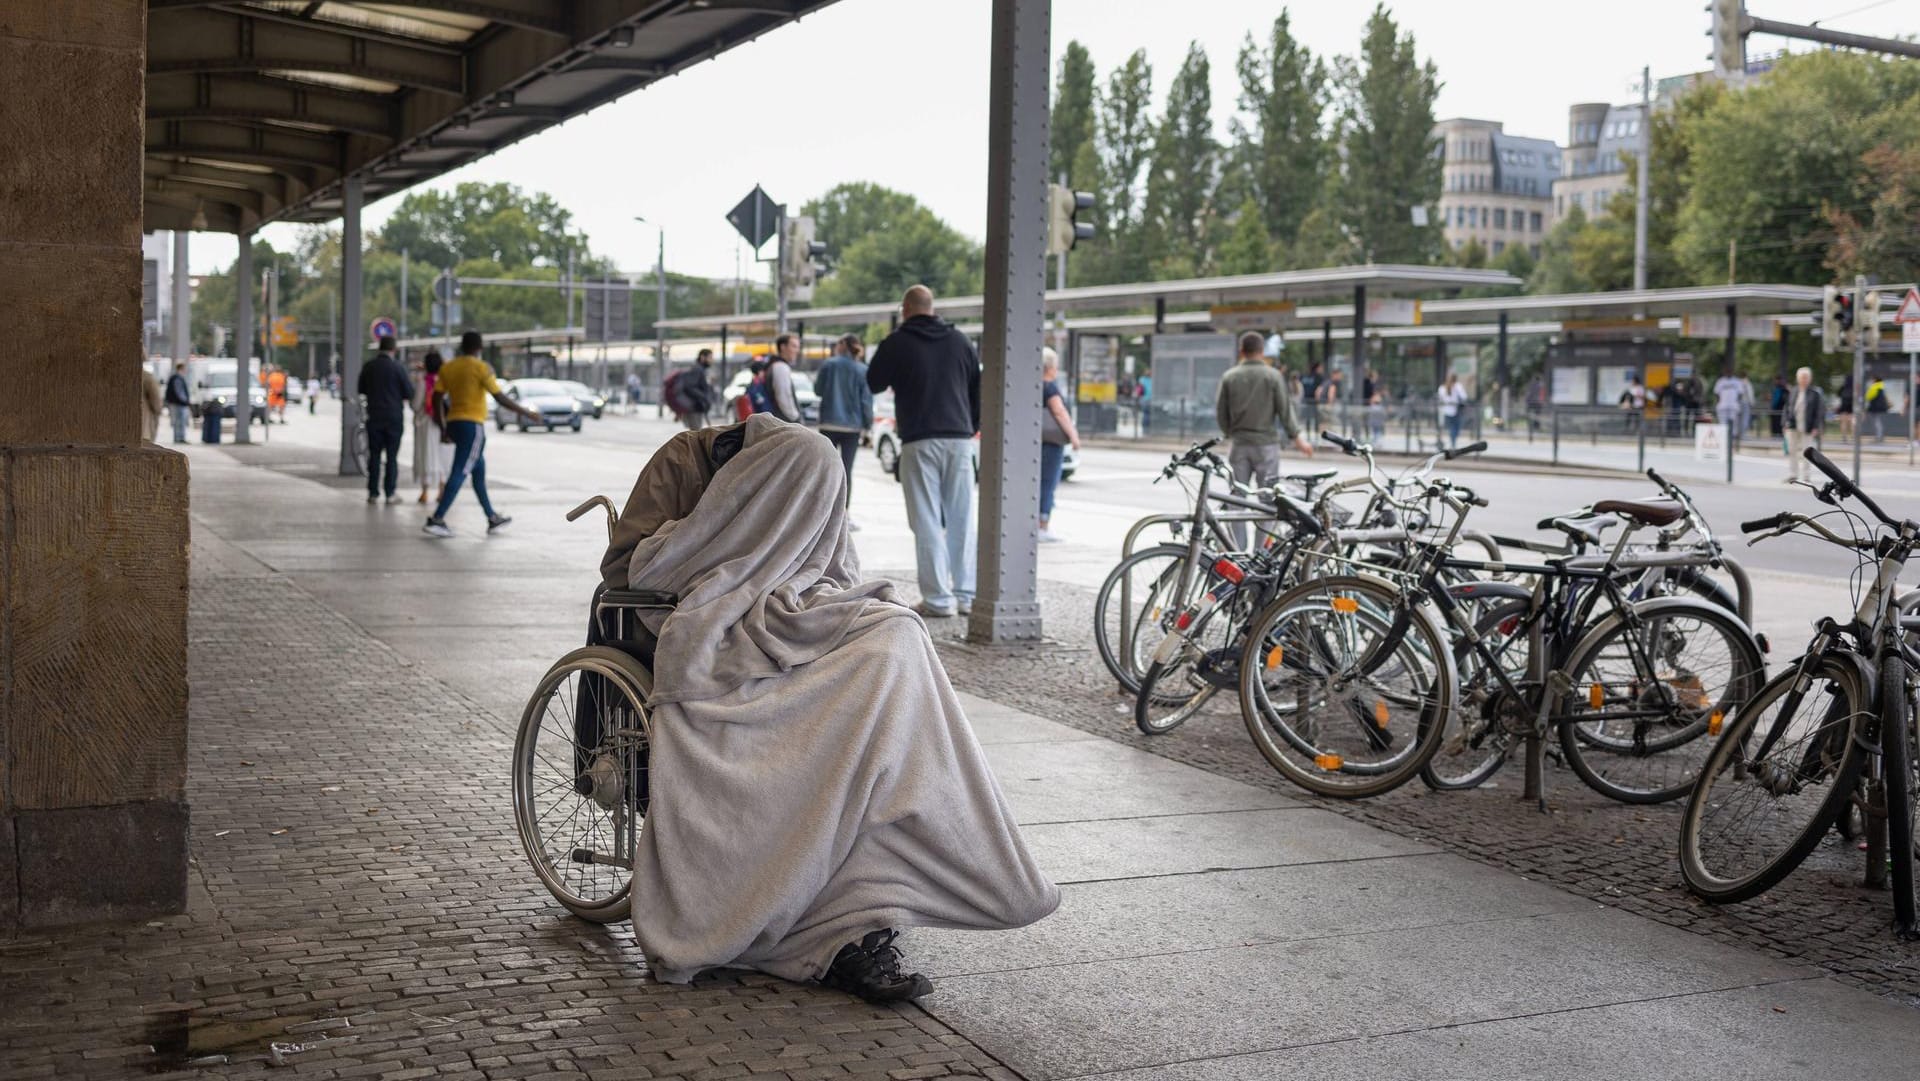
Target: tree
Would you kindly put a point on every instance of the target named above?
(1124, 142)
(496, 222)
(1879, 237)
(1180, 177)
(1557, 271)
(880, 241)
(1074, 108)
(1471, 254)
(1386, 124)
(1279, 147)
(1248, 248)
(851, 211)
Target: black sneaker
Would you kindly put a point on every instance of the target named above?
(497, 522)
(870, 969)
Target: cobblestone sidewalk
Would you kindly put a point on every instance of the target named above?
(354, 858)
(1616, 854)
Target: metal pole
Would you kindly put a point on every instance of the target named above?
(1727, 369)
(243, 331)
(1910, 378)
(1007, 605)
(403, 292)
(659, 317)
(352, 336)
(606, 326)
(1501, 374)
(1643, 197)
(780, 274)
(333, 335)
(567, 289)
(1859, 365)
(183, 297)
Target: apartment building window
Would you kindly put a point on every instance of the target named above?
(1534, 249)
(1473, 216)
(1499, 217)
(1534, 222)
(1499, 246)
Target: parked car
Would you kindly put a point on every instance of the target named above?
(886, 442)
(549, 397)
(803, 394)
(213, 387)
(591, 404)
(296, 391)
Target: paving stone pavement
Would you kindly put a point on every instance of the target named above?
(354, 857)
(1619, 855)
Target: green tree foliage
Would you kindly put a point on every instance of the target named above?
(498, 222)
(1879, 236)
(1385, 106)
(848, 212)
(1124, 143)
(1180, 178)
(1074, 110)
(1772, 165)
(1248, 247)
(1279, 147)
(1557, 271)
(884, 241)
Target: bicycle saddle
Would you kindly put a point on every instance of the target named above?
(1654, 512)
(1311, 476)
(1581, 526)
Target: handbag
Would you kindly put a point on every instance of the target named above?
(1051, 433)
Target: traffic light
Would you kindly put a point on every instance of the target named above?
(1836, 320)
(1868, 320)
(1065, 229)
(801, 269)
(446, 312)
(1729, 54)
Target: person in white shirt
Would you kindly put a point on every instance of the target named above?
(1732, 403)
(1806, 413)
(1453, 405)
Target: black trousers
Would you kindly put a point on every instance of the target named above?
(849, 444)
(383, 441)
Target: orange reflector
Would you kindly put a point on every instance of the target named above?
(1274, 656)
(1380, 713)
(1346, 605)
(1715, 722)
(1596, 696)
(1328, 761)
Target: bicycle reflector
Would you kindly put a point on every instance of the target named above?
(1596, 696)
(1228, 569)
(1184, 621)
(1715, 722)
(1380, 712)
(1274, 656)
(1328, 762)
(1346, 606)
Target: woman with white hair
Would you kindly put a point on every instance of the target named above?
(1056, 434)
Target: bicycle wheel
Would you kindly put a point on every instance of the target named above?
(1897, 765)
(1780, 773)
(580, 780)
(1478, 735)
(359, 449)
(1345, 689)
(1136, 607)
(1188, 670)
(1646, 691)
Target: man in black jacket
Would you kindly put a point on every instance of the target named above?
(935, 378)
(384, 384)
(178, 399)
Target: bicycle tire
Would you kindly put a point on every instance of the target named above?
(1896, 761)
(1831, 744)
(1173, 688)
(1584, 749)
(1127, 661)
(358, 445)
(1482, 742)
(1401, 643)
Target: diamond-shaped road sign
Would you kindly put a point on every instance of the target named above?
(757, 217)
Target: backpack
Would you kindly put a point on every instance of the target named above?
(676, 398)
(758, 396)
(1877, 397)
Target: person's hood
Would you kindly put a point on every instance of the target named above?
(930, 327)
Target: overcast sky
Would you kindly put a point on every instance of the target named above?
(896, 93)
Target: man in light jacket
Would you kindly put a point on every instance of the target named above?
(846, 403)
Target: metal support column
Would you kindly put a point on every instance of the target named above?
(1727, 367)
(1359, 359)
(353, 334)
(1780, 359)
(1501, 373)
(1159, 315)
(243, 331)
(403, 295)
(1006, 607)
(182, 300)
(660, 332)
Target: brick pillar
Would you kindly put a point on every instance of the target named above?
(93, 525)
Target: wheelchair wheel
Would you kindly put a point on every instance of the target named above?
(580, 779)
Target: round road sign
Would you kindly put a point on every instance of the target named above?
(381, 328)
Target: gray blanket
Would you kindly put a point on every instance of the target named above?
(814, 777)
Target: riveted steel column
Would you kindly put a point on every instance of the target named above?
(353, 334)
(243, 332)
(1007, 607)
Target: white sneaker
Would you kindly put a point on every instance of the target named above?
(964, 607)
(930, 612)
(393, 499)
(1048, 536)
(437, 528)
(853, 526)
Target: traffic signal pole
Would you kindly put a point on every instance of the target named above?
(1859, 404)
(780, 273)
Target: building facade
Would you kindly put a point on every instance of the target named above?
(1601, 139)
(1495, 188)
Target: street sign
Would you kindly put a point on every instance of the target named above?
(1392, 312)
(1098, 380)
(1264, 316)
(756, 218)
(285, 333)
(1710, 442)
(1910, 337)
(381, 328)
(1909, 308)
(1747, 328)
(609, 316)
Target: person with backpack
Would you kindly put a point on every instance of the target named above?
(178, 399)
(689, 394)
(846, 403)
(785, 404)
(753, 397)
(430, 438)
(1877, 406)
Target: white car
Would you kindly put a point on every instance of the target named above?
(803, 394)
(550, 397)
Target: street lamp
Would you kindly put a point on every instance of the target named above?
(660, 316)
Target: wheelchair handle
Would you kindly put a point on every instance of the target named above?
(613, 516)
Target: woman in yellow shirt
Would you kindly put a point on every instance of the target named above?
(468, 382)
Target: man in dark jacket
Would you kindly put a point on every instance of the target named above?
(384, 384)
(1806, 415)
(935, 378)
(178, 398)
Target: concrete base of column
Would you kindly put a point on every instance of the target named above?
(93, 714)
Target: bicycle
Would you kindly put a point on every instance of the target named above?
(1830, 734)
(1348, 682)
(357, 443)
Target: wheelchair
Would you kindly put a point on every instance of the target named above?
(580, 759)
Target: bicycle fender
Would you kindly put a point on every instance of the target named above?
(1480, 591)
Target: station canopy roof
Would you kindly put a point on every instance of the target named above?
(257, 110)
(1295, 285)
(1747, 300)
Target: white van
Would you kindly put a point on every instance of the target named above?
(211, 382)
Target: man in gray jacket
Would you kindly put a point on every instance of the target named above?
(1251, 407)
(846, 404)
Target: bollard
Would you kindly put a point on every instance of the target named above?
(1556, 437)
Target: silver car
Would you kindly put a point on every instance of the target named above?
(550, 397)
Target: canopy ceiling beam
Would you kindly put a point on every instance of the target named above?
(220, 40)
(229, 96)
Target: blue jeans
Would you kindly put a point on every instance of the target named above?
(383, 458)
(1453, 429)
(469, 456)
(938, 477)
(1050, 458)
(179, 415)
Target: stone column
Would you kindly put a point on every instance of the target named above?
(93, 525)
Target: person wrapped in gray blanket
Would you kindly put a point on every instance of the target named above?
(817, 785)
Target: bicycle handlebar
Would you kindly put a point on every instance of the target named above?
(1846, 487)
(1761, 525)
(1470, 448)
(1345, 444)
